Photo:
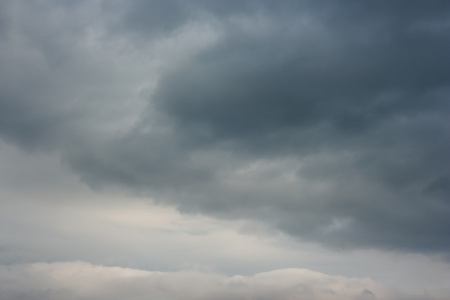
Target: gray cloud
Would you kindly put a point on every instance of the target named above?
(328, 121)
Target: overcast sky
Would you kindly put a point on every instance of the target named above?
(237, 149)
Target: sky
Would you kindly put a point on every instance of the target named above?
(210, 149)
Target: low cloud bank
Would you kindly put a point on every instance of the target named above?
(81, 280)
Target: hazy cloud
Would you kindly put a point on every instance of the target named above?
(79, 280)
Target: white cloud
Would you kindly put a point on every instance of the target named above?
(80, 280)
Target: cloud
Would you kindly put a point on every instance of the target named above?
(80, 280)
(327, 121)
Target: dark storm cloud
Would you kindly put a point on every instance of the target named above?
(326, 120)
(366, 79)
(290, 76)
(151, 19)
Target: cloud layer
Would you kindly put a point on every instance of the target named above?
(80, 280)
(328, 121)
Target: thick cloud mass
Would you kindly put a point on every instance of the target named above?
(328, 121)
